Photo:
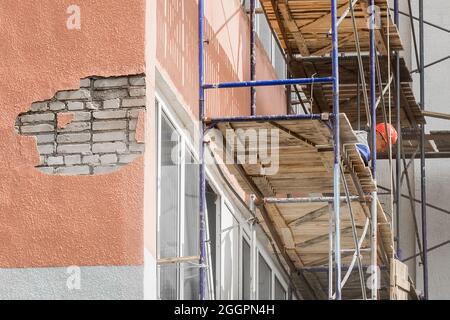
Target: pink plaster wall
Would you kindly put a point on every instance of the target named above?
(227, 56)
(53, 220)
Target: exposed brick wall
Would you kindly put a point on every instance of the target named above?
(88, 131)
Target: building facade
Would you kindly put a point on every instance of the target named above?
(99, 191)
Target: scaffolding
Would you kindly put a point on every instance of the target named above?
(349, 174)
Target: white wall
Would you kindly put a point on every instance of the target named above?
(437, 91)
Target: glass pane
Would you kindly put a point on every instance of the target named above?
(191, 204)
(191, 227)
(246, 273)
(264, 280)
(169, 188)
(229, 256)
(280, 65)
(265, 35)
(280, 293)
(168, 284)
(191, 281)
(211, 207)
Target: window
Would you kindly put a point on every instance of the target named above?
(269, 42)
(280, 292)
(229, 255)
(264, 279)
(178, 195)
(246, 270)
(233, 256)
(212, 206)
(191, 222)
(168, 210)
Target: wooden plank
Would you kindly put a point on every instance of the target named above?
(291, 25)
(177, 260)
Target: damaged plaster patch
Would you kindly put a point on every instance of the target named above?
(63, 119)
(96, 129)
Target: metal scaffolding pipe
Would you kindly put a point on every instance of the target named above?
(288, 117)
(337, 149)
(267, 83)
(325, 269)
(202, 169)
(252, 56)
(422, 151)
(373, 98)
(398, 158)
(310, 200)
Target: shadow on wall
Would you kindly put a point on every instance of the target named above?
(96, 129)
(226, 56)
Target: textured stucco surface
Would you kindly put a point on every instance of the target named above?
(53, 220)
(95, 283)
(227, 57)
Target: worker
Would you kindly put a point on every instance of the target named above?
(383, 135)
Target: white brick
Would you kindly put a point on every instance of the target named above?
(73, 171)
(38, 117)
(75, 105)
(127, 158)
(81, 116)
(135, 113)
(92, 105)
(57, 105)
(110, 94)
(55, 161)
(74, 148)
(135, 147)
(38, 128)
(85, 83)
(74, 137)
(109, 136)
(108, 159)
(111, 82)
(102, 170)
(76, 127)
(137, 92)
(110, 125)
(46, 149)
(133, 102)
(133, 124)
(108, 147)
(45, 138)
(103, 115)
(111, 104)
(71, 160)
(39, 106)
(82, 94)
(137, 81)
(94, 159)
(47, 170)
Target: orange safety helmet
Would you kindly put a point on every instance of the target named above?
(386, 132)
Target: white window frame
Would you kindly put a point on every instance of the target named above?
(185, 148)
(245, 231)
(275, 272)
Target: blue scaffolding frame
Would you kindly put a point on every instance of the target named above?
(334, 80)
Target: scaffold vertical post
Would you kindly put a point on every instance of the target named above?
(202, 173)
(337, 147)
(253, 56)
(373, 102)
